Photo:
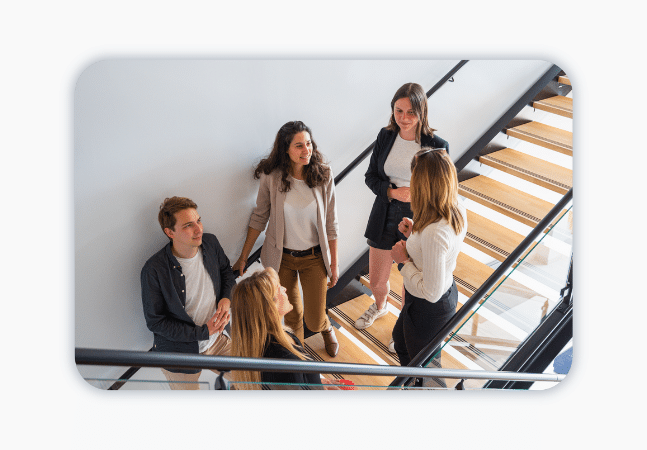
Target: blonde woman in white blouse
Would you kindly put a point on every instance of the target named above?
(428, 258)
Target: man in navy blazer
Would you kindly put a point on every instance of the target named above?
(186, 290)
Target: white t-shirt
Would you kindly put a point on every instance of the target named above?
(398, 164)
(300, 216)
(200, 295)
(434, 251)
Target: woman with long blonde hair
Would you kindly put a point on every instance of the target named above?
(258, 304)
(428, 258)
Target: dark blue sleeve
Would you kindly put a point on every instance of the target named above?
(158, 318)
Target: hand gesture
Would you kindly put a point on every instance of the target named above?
(240, 266)
(220, 318)
(399, 252)
(335, 276)
(403, 194)
(405, 227)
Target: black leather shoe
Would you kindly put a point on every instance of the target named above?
(332, 346)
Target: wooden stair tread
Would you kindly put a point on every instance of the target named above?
(564, 80)
(509, 201)
(544, 135)
(543, 173)
(560, 105)
(470, 274)
(490, 237)
(378, 335)
(348, 353)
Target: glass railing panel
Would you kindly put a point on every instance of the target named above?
(136, 385)
(528, 292)
(334, 385)
(148, 378)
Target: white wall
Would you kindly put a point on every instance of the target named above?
(149, 129)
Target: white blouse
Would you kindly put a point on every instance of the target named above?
(434, 251)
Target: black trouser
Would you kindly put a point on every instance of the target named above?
(419, 321)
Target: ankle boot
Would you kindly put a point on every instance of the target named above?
(330, 340)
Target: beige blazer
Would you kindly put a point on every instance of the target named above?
(269, 208)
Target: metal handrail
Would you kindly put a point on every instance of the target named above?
(448, 77)
(103, 357)
(426, 353)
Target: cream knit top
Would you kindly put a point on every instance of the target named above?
(434, 251)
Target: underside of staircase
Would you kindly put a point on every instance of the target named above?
(508, 189)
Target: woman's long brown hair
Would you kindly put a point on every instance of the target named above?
(418, 99)
(316, 173)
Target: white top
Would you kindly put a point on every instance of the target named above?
(398, 164)
(200, 295)
(434, 251)
(300, 216)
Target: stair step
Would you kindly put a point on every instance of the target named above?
(544, 135)
(377, 336)
(469, 274)
(559, 105)
(564, 80)
(490, 237)
(551, 176)
(502, 198)
(348, 353)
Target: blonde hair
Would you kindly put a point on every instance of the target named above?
(255, 320)
(434, 190)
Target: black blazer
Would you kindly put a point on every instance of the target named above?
(377, 180)
(164, 297)
(276, 350)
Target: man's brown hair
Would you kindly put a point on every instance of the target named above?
(169, 207)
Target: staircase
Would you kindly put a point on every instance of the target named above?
(517, 184)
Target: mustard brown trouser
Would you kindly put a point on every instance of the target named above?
(311, 271)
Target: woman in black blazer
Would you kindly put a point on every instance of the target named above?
(388, 176)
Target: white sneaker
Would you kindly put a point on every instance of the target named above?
(367, 319)
(391, 346)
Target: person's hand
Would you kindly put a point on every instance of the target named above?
(399, 252)
(405, 227)
(335, 276)
(220, 318)
(240, 266)
(403, 194)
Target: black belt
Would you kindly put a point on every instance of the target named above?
(300, 253)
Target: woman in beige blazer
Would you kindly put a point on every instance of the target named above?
(297, 197)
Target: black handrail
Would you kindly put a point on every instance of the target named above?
(103, 357)
(434, 346)
(362, 156)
